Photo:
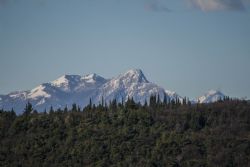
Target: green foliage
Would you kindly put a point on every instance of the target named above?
(28, 108)
(164, 133)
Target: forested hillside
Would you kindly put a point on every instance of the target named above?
(159, 134)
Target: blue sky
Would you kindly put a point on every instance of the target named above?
(189, 46)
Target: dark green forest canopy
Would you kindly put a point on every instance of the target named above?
(161, 134)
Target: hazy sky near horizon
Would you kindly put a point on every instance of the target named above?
(188, 46)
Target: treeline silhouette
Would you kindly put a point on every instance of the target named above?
(157, 133)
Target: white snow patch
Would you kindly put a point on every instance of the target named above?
(38, 92)
(90, 78)
(62, 81)
(211, 96)
(18, 94)
(41, 102)
(93, 79)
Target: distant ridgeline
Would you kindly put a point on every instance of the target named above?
(69, 89)
(158, 133)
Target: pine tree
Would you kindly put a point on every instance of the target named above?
(35, 112)
(51, 110)
(65, 109)
(113, 104)
(102, 102)
(145, 103)
(74, 107)
(122, 101)
(130, 103)
(184, 101)
(78, 109)
(158, 100)
(189, 102)
(165, 100)
(28, 108)
(90, 104)
(152, 101)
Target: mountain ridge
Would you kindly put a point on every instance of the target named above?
(69, 89)
(211, 96)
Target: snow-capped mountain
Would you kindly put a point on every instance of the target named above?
(76, 83)
(134, 84)
(69, 89)
(211, 96)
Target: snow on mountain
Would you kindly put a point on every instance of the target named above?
(210, 97)
(69, 89)
(13, 100)
(174, 95)
(18, 94)
(38, 92)
(70, 83)
(93, 78)
(133, 83)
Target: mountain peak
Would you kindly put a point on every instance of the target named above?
(211, 96)
(92, 78)
(65, 80)
(69, 89)
(135, 71)
(134, 75)
(212, 92)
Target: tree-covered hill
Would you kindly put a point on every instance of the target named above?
(161, 134)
